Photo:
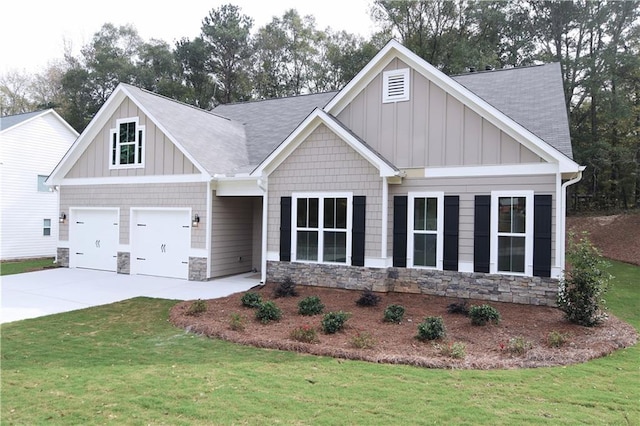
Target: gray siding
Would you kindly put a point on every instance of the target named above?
(432, 129)
(162, 157)
(467, 189)
(125, 197)
(232, 235)
(325, 163)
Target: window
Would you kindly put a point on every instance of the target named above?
(46, 227)
(426, 224)
(512, 217)
(322, 227)
(395, 86)
(127, 144)
(41, 186)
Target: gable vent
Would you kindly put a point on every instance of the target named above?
(395, 86)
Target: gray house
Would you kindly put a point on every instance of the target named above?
(404, 180)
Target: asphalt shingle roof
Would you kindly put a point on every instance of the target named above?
(12, 120)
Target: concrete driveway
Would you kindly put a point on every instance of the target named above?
(35, 294)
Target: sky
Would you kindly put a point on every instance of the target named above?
(35, 32)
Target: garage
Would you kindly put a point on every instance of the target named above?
(93, 238)
(161, 240)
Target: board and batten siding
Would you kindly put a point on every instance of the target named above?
(325, 163)
(126, 196)
(162, 157)
(27, 150)
(467, 189)
(432, 129)
(232, 235)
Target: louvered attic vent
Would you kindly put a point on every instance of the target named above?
(395, 86)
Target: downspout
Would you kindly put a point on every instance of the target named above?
(385, 222)
(564, 213)
(262, 184)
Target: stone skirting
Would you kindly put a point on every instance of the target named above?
(492, 287)
(62, 257)
(198, 269)
(124, 263)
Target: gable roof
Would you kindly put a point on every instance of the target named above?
(11, 121)
(498, 118)
(532, 96)
(268, 122)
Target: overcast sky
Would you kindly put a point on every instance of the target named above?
(34, 32)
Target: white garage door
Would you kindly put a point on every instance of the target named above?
(93, 239)
(161, 240)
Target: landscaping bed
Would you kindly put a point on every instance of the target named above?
(519, 340)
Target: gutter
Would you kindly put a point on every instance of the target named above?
(563, 243)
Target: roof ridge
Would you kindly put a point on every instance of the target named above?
(525, 67)
(252, 101)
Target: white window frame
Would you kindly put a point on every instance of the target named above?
(405, 75)
(439, 229)
(41, 184)
(45, 227)
(528, 235)
(139, 156)
(321, 196)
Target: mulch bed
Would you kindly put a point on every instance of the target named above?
(486, 347)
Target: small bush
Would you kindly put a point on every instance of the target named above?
(431, 328)
(286, 288)
(237, 322)
(305, 334)
(363, 340)
(251, 300)
(519, 346)
(484, 314)
(394, 313)
(555, 339)
(197, 307)
(458, 308)
(581, 291)
(310, 306)
(457, 350)
(333, 322)
(368, 298)
(267, 312)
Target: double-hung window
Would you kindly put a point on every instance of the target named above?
(127, 144)
(512, 222)
(426, 226)
(322, 227)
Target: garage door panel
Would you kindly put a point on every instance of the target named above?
(93, 239)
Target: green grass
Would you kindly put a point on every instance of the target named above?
(20, 266)
(125, 364)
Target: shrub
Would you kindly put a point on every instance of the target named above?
(458, 308)
(555, 339)
(251, 300)
(286, 288)
(267, 312)
(363, 340)
(305, 333)
(197, 307)
(584, 283)
(431, 328)
(368, 298)
(237, 322)
(333, 322)
(519, 346)
(394, 313)
(457, 350)
(310, 306)
(483, 314)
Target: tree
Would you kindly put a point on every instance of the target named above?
(201, 87)
(14, 94)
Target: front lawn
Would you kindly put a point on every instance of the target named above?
(124, 363)
(28, 265)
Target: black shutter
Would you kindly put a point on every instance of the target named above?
(451, 229)
(400, 231)
(542, 236)
(285, 229)
(481, 233)
(358, 230)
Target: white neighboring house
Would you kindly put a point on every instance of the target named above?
(31, 145)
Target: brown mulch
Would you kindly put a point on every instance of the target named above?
(487, 347)
(616, 236)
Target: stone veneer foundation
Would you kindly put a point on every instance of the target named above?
(492, 287)
(62, 257)
(198, 269)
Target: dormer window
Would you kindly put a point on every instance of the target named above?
(127, 144)
(395, 86)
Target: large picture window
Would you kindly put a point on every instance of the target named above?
(425, 221)
(513, 232)
(322, 227)
(127, 144)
